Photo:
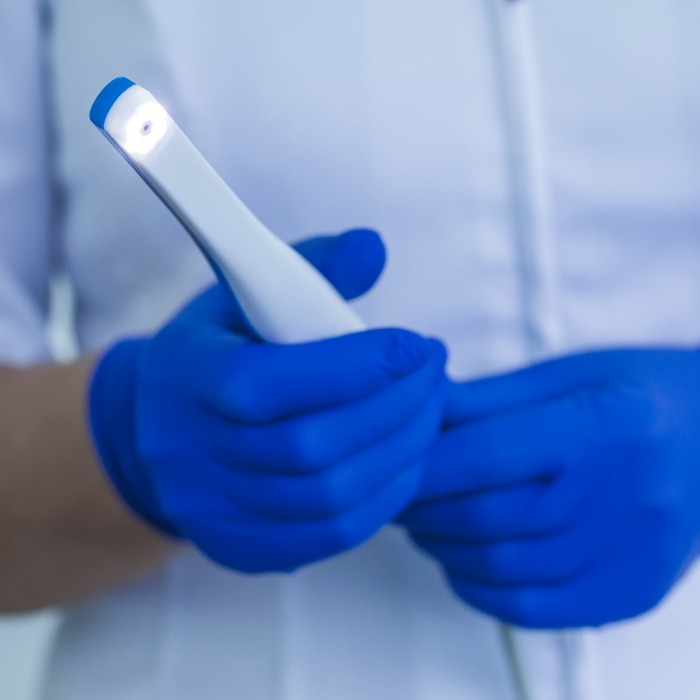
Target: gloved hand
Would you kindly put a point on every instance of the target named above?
(268, 457)
(567, 494)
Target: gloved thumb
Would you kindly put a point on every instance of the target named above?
(351, 261)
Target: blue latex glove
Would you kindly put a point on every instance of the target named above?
(567, 494)
(268, 457)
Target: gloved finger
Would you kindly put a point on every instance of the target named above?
(352, 261)
(324, 494)
(263, 383)
(507, 449)
(314, 441)
(546, 381)
(602, 595)
(252, 544)
(526, 510)
(551, 558)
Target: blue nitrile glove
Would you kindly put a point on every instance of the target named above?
(567, 494)
(268, 457)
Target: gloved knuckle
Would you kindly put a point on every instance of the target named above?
(657, 584)
(332, 495)
(341, 534)
(306, 446)
(523, 609)
(154, 448)
(568, 565)
(402, 353)
(660, 507)
(669, 546)
(557, 508)
(501, 562)
(461, 589)
(479, 518)
(241, 397)
(272, 564)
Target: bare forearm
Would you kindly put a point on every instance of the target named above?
(63, 531)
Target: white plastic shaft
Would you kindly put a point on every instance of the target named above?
(285, 298)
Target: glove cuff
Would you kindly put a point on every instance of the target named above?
(111, 410)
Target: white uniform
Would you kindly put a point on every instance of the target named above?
(534, 167)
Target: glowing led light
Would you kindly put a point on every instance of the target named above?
(145, 129)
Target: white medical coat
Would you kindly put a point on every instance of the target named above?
(534, 167)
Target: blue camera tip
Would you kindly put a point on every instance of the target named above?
(108, 96)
